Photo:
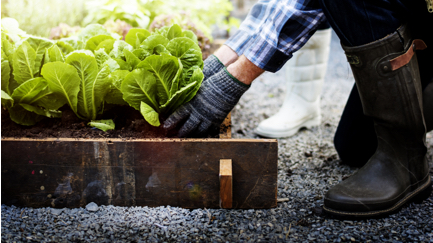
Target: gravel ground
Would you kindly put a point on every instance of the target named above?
(308, 167)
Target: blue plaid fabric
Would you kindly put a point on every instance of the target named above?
(274, 29)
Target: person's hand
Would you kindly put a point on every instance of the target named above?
(207, 110)
(211, 66)
(224, 56)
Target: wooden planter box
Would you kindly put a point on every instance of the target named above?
(68, 172)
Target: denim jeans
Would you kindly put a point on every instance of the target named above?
(360, 22)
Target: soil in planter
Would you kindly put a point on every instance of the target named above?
(130, 124)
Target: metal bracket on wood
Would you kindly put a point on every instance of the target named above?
(226, 183)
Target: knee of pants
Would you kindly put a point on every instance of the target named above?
(334, 7)
(354, 149)
(341, 145)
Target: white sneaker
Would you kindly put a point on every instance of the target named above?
(305, 74)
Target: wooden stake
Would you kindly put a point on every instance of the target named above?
(226, 183)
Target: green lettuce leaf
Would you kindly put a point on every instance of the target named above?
(107, 45)
(30, 91)
(184, 94)
(55, 54)
(187, 51)
(90, 31)
(174, 31)
(118, 48)
(46, 58)
(42, 112)
(7, 100)
(159, 49)
(138, 86)
(131, 59)
(74, 42)
(64, 81)
(6, 76)
(94, 83)
(6, 46)
(189, 34)
(101, 57)
(35, 92)
(49, 100)
(21, 116)
(65, 47)
(104, 125)
(4, 57)
(24, 63)
(149, 114)
(141, 54)
(95, 41)
(152, 41)
(136, 36)
(115, 95)
(112, 65)
(122, 64)
(162, 31)
(165, 70)
(40, 45)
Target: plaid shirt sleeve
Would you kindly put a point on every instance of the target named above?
(274, 29)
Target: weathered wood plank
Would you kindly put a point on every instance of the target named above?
(146, 172)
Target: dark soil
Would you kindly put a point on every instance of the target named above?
(130, 124)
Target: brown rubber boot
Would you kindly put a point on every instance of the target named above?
(387, 75)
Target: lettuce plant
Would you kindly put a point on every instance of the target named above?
(24, 92)
(153, 72)
(169, 77)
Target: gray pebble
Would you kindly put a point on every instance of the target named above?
(92, 207)
(56, 211)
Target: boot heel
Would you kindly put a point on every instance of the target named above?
(423, 195)
(313, 122)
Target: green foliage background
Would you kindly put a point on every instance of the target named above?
(37, 17)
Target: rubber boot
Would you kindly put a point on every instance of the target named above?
(387, 77)
(305, 74)
(428, 106)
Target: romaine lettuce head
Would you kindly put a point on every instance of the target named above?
(166, 79)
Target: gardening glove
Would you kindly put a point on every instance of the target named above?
(211, 66)
(210, 106)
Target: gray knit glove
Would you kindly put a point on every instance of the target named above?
(211, 66)
(207, 110)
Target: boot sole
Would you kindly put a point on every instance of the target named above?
(290, 132)
(417, 196)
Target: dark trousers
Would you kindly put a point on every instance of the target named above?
(360, 22)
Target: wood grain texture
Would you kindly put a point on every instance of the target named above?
(146, 172)
(226, 185)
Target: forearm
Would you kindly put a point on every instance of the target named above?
(226, 55)
(240, 67)
(244, 70)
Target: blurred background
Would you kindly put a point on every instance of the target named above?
(55, 19)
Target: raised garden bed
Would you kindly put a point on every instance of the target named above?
(134, 84)
(71, 172)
